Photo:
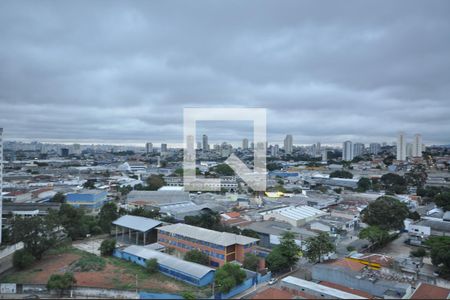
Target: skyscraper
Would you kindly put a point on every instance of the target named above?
(149, 148)
(358, 149)
(374, 148)
(288, 142)
(347, 151)
(1, 180)
(401, 146)
(163, 148)
(417, 146)
(205, 143)
(245, 144)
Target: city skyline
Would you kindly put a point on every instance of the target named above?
(125, 74)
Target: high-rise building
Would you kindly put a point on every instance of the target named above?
(374, 148)
(358, 149)
(225, 149)
(288, 142)
(149, 148)
(401, 146)
(417, 146)
(318, 149)
(205, 143)
(347, 151)
(324, 155)
(245, 144)
(274, 150)
(1, 180)
(163, 148)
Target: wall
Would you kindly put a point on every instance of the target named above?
(146, 295)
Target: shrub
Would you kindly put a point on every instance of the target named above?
(152, 265)
(107, 247)
(22, 259)
(419, 252)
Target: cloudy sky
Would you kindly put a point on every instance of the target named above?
(123, 71)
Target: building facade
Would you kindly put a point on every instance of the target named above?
(347, 151)
(288, 144)
(1, 181)
(417, 146)
(91, 200)
(221, 247)
(401, 146)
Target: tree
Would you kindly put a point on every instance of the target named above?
(386, 212)
(251, 262)
(443, 200)
(250, 233)
(152, 265)
(394, 183)
(284, 255)
(364, 184)
(414, 216)
(107, 247)
(341, 174)
(440, 254)
(224, 170)
(154, 182)
(89, 184)
(188, 295)
(58, 198)
(318, 246)
(417, 176)
(419, 252)
(376, 235)
(146, 213)
(22, 259)
(108, 213)
(228, 276)
(38, 233)
(61, 282)
(206, 219)
(74, 221)
(197, 256)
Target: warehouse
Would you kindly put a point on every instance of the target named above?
(172, 266)
(136, 230)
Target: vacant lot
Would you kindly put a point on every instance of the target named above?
(106, 272)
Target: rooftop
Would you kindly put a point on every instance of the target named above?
(428, 291)
(190, 268)
(211, 236)
(136, 223)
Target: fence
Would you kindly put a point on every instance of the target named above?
(248, 283)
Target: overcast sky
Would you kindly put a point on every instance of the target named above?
(123, 71)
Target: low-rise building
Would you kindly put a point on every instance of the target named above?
(221, 247)
(90, 200)
(294, 215)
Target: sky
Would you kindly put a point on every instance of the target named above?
(122, 71)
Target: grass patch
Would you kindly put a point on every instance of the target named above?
(89, 263)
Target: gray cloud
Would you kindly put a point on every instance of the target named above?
(123, 71)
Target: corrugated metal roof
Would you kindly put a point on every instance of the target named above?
(207, 235)
(175, 263)
(137, 223)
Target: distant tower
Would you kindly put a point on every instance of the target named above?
(163, 149)
(149, 148)
(375, 148)
(347, 151)
(324, 154)
(1, 181)
(288, 142)
(417, 146)
(358, 149)
(205, 143)
(401, 146)
(245, 144)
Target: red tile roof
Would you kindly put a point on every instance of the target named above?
(349, 264)
(233, 214)
(428, 291)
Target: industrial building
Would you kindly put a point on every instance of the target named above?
(221, 247)
(90, 200)
(294, 215)
(174, 267)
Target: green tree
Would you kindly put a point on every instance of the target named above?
(61, 282)
(276, 261)
(146, 213)
(364, 184)
(107, 247)
(443, 200)
(207, 219)
(386, 212)
(188, 295)
(228, 276)
(394, 183)
(341, 174)
(224, 170)
(251, 262)
(419, 252)
(440, 254)
(250, 233)
(89, 184)
(318, 246)
(154, 182)
(58, 198)
(284, 255)
(108, 213)
(22, 259)
(197, 256)
(152, 265)
(38, 233)
(376, 235)
(74, 221)
(417, 176)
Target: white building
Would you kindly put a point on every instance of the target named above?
(358, 149)
(288, 143)
(347, 151)
(245, 144)
(417, 146)
(374, 148)
(296, 216)
(401, 146)
(149, 148)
